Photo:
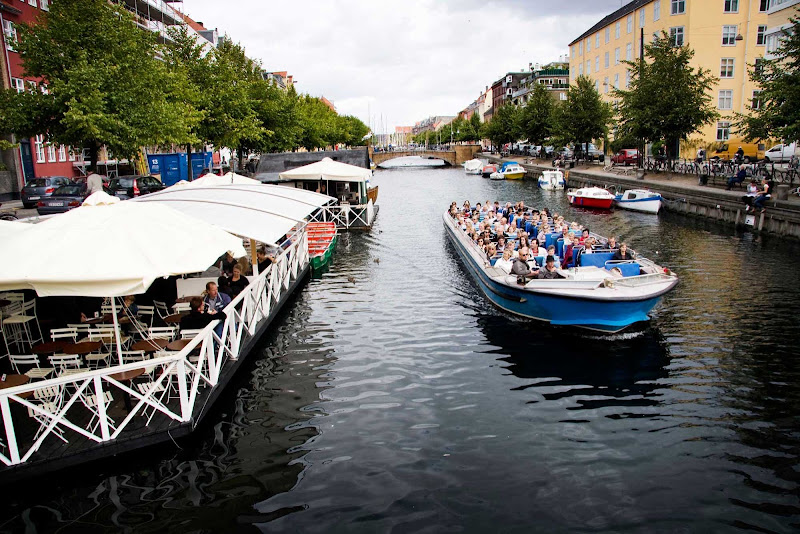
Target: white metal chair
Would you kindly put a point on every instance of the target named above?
(106, 309)
(162, 309)
(28, 309)
(129, 356)
(150, 388)
(36, 371)
(63, 362)
(91, 402)
(190, 333)
(162, 332)
(50, 399)
(147, 313)
(93, 359)
(181, 307)
(64, 333)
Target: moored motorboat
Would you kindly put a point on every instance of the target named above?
(487, 170)
(473, 166)
(552, 180)
(640, 200)
(606, 295)
(590, 197)
(497, 175)
(512, 170)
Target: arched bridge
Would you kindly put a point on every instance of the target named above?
(458, 155)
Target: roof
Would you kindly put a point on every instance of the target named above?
(608, 19)
(330, 170)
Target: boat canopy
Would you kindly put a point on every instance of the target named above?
(508, 164)
(327, 170)
(110, 250)
(261, 212)
(225, 179)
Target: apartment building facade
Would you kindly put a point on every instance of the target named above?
(726, 36)
(779, 15)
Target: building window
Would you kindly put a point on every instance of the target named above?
(597, 63)
(728, 35)
(760, 40)
(731, 6)
(39, 146)
(605, 85)
(18, 84)
(10, 33)
(676, 36)
(627, 78)
(725, 99)
(597, 85)
(588, 66)
(32, 2)
(580, 69)
(588, 45)
(678, 7)
(616, 81)
(44, 4)
(656, 10)
(51, 153)
(580, 48)
(773, 43)
(71, 154)
(629, 51)
(763, 5)
(606, 59)
(642, 15)
(616, 30)
(756, 100)
(62, 151)
(629, 24)
(33, 86)
(574, 48)
(562, 96)
(608, 34)
(616, 56)
(723, 130)
(597, 40)
(726, 67)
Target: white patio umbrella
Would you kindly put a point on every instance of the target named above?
(111, 250)
(328, 169)
(225, 179)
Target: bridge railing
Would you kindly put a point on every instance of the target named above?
(346, 216)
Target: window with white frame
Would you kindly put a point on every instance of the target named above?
(762, 29)
(18, 84)
(574, 51)
(678, 7)
(62, 153)
(629, 24)
(608, 34)
(580, 48)
(731, 6)
(597, 85)
(605, 84)
(38, 144)
(71, 154)
(763, 5)
(616, 81)
(562, 96)
(597, 40)
(51, 153)
(728, 35)
(588, 66)
(756, 100)
(606, 59)
(676, 36)
(580, 70)
(773, 43)
(597, 63)
(44, 4)
(726, 67)
(723, 130)
(629, 51)
(656, 10)
(33, 86)
(725, 99)
(616, 30)
(627, 78)
(616, 56)
(32, 2)
(10, 33)
(642, 15)
(588, 45)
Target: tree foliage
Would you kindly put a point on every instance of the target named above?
(104, 85)
(536, 118)
(503, 127)
(667, 98)
(777, 115)
(583, 116)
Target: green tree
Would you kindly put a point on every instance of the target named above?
(536, 118)
(583, 116)
(667, 99)
(474, 129)
(104, 85)
(777, 115)
(318, 122)
(354, 130)
(503, 127)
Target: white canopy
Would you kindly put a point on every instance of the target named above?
(261, 212)
(229, 178)
(327, 169)
(100, 198)
(110, 250)
(12, 228)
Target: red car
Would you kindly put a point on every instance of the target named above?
(626, 156)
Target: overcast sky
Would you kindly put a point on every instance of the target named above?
(401, 60)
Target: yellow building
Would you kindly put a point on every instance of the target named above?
(726, 36)
(779, 17)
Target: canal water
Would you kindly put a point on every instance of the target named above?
(391, 396)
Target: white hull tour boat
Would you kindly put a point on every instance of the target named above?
(552, 181)
(473, 166)
(640, 200)
(602, 294)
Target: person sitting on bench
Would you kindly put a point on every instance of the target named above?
(738, 178)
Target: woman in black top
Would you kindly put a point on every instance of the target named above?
(622, 253)
(237, 282)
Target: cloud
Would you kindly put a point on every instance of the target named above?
(403, 61)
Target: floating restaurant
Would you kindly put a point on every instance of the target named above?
(132, 378)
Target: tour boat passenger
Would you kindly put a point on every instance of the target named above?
(537, 249)
(501, 242)
(612, 244)
(505, 262)
(491, 251)
(521, 269)
(623, 253)
(549, 272)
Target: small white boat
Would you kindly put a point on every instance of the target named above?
(473, 166)
(552, 181)
(513, 171)
(497, 175)
(590, 197)
(639, 200)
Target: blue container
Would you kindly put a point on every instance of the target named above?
(172, 167)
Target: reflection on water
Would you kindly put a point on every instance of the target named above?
(393, 396)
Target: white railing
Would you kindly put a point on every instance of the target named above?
(347, 216)
(77, 408)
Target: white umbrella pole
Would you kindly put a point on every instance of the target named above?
(116, 329)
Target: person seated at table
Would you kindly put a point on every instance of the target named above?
(197, 318)
(129, 306)
(226, 263)
(215, 301)
(549, 272)
(238, 282)
(265, 258)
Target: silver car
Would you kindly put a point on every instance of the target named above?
(39, 188)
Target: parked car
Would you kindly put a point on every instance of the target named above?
(564, 152)
(626, 156)
(126, 187)
(593, 153)
(39, 188)
(63, 199)
(781, 153)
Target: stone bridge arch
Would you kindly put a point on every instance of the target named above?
(458, 155)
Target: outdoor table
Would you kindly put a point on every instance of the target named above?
(16, 380)
(175, 318)
(84, 347)
(97, 320)
(49, 346)
(185, 299)
(150, 345)
(180, 344)
(128, 376)
(108, 318)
